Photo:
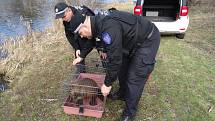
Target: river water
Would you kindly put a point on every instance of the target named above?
(16, 16)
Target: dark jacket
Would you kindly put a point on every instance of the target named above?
(121, 31)
(79, 43)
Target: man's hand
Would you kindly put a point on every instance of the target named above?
(77, 60)
(77, 53)
(103, 55)
(105, 90)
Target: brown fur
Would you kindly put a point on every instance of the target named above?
(84, 88)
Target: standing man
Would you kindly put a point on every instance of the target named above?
(132, 43)
(82, 47)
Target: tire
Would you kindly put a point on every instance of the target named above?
(180, 36)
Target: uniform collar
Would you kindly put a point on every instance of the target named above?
(93, 26)
(96, 24)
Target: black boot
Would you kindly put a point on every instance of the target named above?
(116, 96)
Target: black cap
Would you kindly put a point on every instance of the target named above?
(60, 9)
(75, 21)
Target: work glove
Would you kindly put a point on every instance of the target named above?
(77, 60)
(105, 90)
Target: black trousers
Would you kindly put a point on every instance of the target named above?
(132, 79)
(134, 73)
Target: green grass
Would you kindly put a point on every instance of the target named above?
(182, 87)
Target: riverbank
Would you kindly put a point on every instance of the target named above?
(181, 88)
(36, 66)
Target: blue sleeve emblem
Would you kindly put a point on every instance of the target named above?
(106, 38)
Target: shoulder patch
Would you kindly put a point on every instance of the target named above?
(78, 7)
(106, 38)
(101, 12)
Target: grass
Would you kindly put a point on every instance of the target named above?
(127, 6)
(182, 86)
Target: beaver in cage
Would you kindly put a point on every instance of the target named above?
(85, 88)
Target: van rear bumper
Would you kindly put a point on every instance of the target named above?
(175, 27)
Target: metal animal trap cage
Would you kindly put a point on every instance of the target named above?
(92, 65)
(85, 97)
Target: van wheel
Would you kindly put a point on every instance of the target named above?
(180, 36)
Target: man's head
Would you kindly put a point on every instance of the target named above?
(71, 15)
(63, 11)
(84, 29)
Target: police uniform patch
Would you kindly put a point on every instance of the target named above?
(101, 12)
(106, 38)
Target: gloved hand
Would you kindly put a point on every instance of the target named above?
(105, 90)
(77, 60)
(77, 53)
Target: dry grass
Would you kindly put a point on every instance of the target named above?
(30, 49)
(36, 64)
(121, 6)
(181, 87)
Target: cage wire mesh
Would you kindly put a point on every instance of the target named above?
(90, 65)
(81, 91)
(85, 93)
(95, 65)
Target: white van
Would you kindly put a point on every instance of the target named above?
(170, 16)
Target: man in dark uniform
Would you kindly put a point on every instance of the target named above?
(132, 43)
(81, 46)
